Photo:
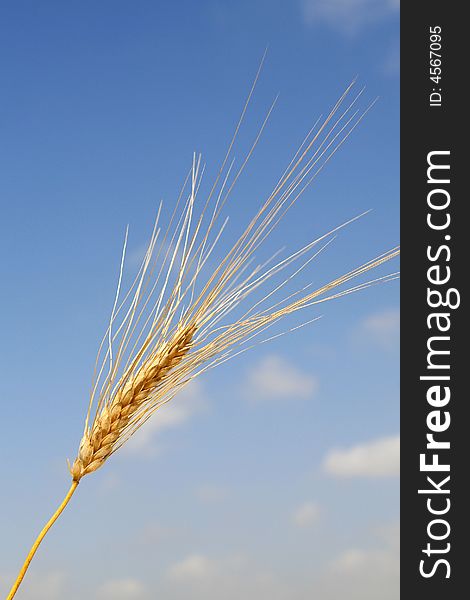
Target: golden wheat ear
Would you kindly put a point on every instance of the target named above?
(176, 319)
(115, 417)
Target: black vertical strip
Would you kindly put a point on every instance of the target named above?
(435, 270)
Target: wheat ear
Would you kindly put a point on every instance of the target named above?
(174, 321)
(98, 443)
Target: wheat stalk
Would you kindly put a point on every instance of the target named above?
(174, 321)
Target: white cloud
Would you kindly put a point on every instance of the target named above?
(348, 16)
(377, 458)
(121, 589)
(274, 377)
(306, 515)
(194, 567)
(356, 574)
(359, 573)
(350, 561)
(204, 578)
(185, 405)
(383, 328)
(364, 573)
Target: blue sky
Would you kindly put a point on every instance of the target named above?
(251, 484)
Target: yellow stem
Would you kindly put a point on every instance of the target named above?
(39, 539)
